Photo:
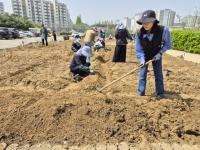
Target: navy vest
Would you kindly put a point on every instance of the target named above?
(151, 48)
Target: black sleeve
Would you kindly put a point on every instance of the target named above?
(128, 35)
(73, 47)
(116, 35)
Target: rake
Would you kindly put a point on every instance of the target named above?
(125, 75)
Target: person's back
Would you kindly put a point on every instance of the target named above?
(44, 35)
(121, 36)
(90, 36)
(44, 32)
(54, 35)
(77, 61)
(81, 62)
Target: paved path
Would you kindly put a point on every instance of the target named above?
(184, 55)
(14, 43)
(4, 44)
(119, 146)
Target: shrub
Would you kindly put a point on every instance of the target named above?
(186, 40)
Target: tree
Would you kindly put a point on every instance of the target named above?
(108, 26)
(80, 26)
(78, 20)
(193, 21)
(14, 21)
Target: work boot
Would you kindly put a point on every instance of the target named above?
(77, 78)
(159, 97)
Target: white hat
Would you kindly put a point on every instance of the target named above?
(85, 51)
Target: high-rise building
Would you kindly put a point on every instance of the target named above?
(191, 21)
(132, 23)
(48, 15)
(157, 14)
(178, 23)
(135, 27)
(61, 16)
(51, 13)
(1, 8)
(167, 17)
(17, 7)
(127, 22)
(177, 19)
(68, 20)
(35, 9)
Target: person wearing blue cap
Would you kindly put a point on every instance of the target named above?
(152, 41)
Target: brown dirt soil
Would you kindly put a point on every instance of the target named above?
(39, 102)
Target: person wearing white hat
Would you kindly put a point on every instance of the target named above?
(121, 36)
(81, 63)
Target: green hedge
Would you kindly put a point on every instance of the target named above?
(186, 40)
(65, 33)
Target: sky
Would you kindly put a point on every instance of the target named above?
(93, 11)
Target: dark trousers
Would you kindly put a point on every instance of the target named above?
(157, 68)
(76, 70)
(45, 41)
(120, 53)
(55, 38)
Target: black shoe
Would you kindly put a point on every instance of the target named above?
(77, 78)
(159, 97)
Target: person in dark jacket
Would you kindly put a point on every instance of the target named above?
(152, 41)
(76, 45)
(54, 35)
(44, 35)
(102, 34)
(81, 63)
(121, 36)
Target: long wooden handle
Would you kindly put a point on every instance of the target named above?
(111, 83)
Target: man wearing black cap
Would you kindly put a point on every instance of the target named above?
(152, 41)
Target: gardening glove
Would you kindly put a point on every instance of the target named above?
(142, 62)
(84, 68)
(157, 56)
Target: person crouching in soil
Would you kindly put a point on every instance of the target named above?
(152, 41)
(81, 63)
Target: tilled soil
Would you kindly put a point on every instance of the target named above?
(40, 102)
